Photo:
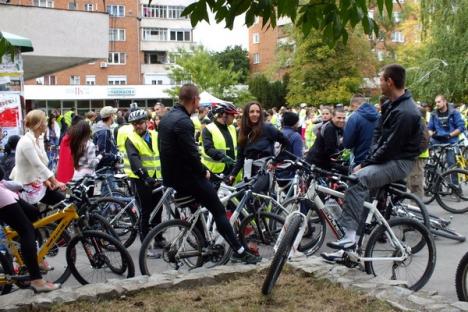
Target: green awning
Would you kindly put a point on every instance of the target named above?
(24, 44)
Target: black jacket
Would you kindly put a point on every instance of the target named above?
(262, 147)
(180, 159)
(325, 146)
(398, 132)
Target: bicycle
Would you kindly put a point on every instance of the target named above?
(461, 278)
(400, 254)
(98, 250)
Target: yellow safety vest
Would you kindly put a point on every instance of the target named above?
(220, 144)
(122, 136)
(149, 158)
(196, 123)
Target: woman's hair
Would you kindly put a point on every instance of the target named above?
(11, 144)
(79, 136)
(34, 119)
(247, 130)
(50, 121)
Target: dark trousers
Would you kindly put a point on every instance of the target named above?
(19, 217)
(147, 201)
(204, 193)
(52, 197)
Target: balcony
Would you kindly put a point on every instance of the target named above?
(154, 68)
(171, 46)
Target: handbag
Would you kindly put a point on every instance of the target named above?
(33, 193)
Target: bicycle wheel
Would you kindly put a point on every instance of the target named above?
(281, 254)
(316, 230)
(92, 261)
(409, 232)
(259, 231)
(6, 267)
(452, 190)
(461, 277)
(121, 217)
(180, 247)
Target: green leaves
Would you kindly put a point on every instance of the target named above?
(330, 17)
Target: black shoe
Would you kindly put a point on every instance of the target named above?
(160, 243)
(245, 257)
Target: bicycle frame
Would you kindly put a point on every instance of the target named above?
(66, 216)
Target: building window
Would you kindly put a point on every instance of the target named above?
(43, 3)
(156, 82)
(397, 36)
(180, 35)
(117, 58)
(50, 80)
(116, 10)
(256, 58)
(256, 38)
(74, 80)
(90, 80)
(89, 7)
(116, 34)
(155, 11)
(396, 17)
(116, 80)
(154, 34)
(175, 12)
(156, 57)
(71, 5)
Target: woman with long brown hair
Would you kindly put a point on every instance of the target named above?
(83, 150)
(256, 139)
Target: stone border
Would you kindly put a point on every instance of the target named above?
(393, 292)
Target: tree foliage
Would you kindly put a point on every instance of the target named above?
(442, 65)
(238, 57)
(201, 68)
(332, 18)
(321, 74)
(269, 94)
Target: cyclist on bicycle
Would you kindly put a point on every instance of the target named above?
(19, 215)
(143, 167)
(397, 143)
(219, 147)
(183, 170)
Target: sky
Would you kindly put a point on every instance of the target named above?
(216, 38)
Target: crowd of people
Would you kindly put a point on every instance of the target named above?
(189, 145)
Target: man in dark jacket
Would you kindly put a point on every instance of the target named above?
(182, 169)
(395, 147)
(103, 139)
(328, 142)
(359, 129)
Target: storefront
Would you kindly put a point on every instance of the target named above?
(84, 98)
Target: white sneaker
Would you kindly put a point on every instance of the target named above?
(333, 256)
(344, 243)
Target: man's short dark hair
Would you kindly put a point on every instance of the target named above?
(188, 92)
(397, 73)
(338, 110)
(160, 104)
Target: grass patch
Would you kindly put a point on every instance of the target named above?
(293, 292)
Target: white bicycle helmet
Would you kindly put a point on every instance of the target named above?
(137, 116)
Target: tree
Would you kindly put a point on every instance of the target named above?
(442, 67)
(332, 18)
(238, 57)
(200, 67)
(269, 94)
(323, 74)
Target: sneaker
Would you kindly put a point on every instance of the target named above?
(245, 257)
(333, 256)
(47, 287)
(151, 253)
(344, 243)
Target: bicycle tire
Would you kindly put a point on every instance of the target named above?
(260, 229)
(126, 226)
(442, 200)
(281, 255)
(197, 244)
(103, 261)
(6, 267)
(376, 238)
(461, 276)
(316, 226)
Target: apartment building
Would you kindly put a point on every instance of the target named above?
(142, 39)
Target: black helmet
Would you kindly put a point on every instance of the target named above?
(227, 108)
(137, 116)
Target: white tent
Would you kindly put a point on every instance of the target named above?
(208, 99)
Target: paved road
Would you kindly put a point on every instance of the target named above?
(449, 254)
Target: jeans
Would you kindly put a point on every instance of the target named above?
(370, 178)
(451, 161)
